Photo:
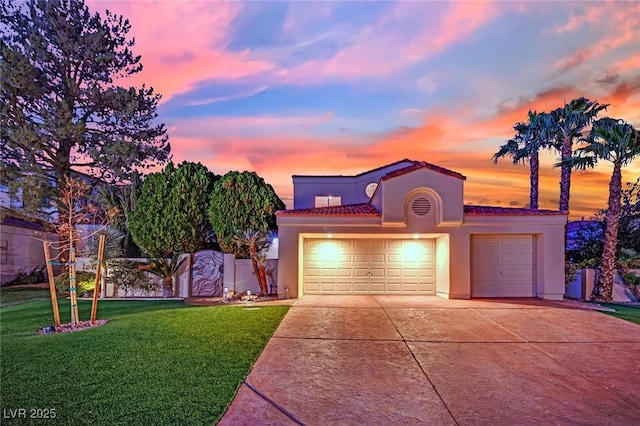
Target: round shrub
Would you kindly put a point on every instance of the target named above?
(86, 282)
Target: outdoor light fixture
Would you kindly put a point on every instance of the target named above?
(416, 236)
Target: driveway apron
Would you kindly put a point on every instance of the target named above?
(382, 360)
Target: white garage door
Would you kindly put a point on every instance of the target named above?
(376, 266)
(502, 266)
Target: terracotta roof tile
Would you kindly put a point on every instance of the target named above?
(508, 211)
(423, 165)
(364, 209)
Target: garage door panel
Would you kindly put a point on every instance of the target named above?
(394, 273)
(502, 266)
(344, 287)
(377, 272)
(361, 272)
(378, 266)
(345, 272)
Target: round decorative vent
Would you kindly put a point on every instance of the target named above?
(421, 206)
(370, 189)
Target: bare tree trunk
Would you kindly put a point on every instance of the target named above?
(603, 291)
(252, 253)
(263, 279)
(565, 174)
(167, 286)
(534, 180)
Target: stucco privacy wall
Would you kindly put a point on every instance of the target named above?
(452, 230)
(21, 250)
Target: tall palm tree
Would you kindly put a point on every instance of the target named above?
(618, 142)
(525, 145)
(567, 124)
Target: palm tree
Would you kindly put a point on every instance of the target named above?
(525, 145)
(165, 268)
(567, 125)
(256, 241)
(618, 142)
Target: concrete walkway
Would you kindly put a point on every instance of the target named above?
(384, 360)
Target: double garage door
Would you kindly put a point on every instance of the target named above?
(369, 266)
(502, 266)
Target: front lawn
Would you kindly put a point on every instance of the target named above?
(625, 312)
(155, 362)
(14, 295)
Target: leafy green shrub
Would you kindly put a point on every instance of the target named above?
(86, 282)
(126, 275)
(242, 201)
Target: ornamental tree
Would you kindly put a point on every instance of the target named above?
(239, 201)
(171, 213)
(60, 106)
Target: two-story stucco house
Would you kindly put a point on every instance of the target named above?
(404, 229)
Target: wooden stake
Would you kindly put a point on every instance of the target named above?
(52, 284)
(96, 290)
(73, 287)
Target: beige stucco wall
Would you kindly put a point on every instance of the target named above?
(445, 193)
(446, 223)
(453, 249)
(22, 250)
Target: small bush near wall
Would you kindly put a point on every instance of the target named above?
(125, 275)
(86, 282)
(34, 277)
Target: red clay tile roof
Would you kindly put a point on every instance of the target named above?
(508, 211)
(422, 165)
(364, 209)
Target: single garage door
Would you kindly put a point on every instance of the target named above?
(369, 266)
(502, 266)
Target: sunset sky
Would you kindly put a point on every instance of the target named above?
(302, 87)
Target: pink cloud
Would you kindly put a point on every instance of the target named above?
(195, 34)
(381, 48)
(625, 30)
(593, 14)
(460, 20)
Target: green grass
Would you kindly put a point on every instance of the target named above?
(625, 312)
(14, 295)
(155, 362)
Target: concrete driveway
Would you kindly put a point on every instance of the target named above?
(382, 360)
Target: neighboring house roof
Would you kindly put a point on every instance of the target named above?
(364, 209)
(406, 160)
(417, 165)
(471, 210)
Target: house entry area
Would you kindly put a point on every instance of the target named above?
(341, 265)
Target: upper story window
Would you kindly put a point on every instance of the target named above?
(327, 201)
